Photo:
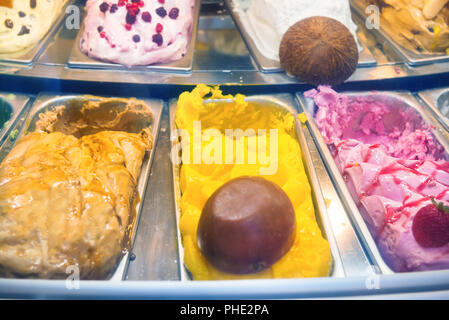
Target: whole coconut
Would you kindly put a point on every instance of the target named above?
(319, 50)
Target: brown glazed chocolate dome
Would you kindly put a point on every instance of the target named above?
(319, 50)
(246, 226)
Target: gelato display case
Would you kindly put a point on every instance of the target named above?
(168, 150)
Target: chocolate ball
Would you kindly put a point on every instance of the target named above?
(246, 226)
(319, 50)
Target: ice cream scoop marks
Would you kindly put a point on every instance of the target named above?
(211, 146)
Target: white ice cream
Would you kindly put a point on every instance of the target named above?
(26, 22)
(267, 20)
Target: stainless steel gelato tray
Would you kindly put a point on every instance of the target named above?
(78, 59)
(29, 55)
(405, 99)
(412, 57)
(366, 59)
(47, 102)
(11, 107)
(438, 101)
(285, 102)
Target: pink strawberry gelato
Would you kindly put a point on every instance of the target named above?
(392, 164)
(141, 32)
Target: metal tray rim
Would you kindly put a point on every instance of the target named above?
(337, 269)
(260, 288)
(430, 99)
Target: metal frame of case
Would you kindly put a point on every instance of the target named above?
(51, 65)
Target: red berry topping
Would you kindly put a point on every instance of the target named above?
(146, 16)
(114, 8)
(133, 9)
(136, 38)
(159, 28)
(104, 7)
(103, 34)
(161, 12)
(157, 38)
(174, 13)
(431, 226)
(130, 18)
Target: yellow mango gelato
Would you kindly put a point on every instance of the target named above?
(263, 143)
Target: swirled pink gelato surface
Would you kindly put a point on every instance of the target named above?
(137, 32)
(392, 164)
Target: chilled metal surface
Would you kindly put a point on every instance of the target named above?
(31, 54)
(412, 57)
(354, 259)
(78, 59)
(47, 101)
(285, 102)
(265, 64)
(404, 98)
(438, 101)
(155, 247)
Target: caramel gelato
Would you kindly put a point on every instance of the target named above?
(68, 193)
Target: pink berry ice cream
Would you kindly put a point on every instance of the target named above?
(395, 170)
(137, 32)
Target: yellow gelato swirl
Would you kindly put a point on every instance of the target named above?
(310, 254)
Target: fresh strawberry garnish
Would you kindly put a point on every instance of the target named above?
(431, 225)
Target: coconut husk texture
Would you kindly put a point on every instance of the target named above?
(319, 51)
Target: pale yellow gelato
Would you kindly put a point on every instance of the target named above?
(24, 22)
